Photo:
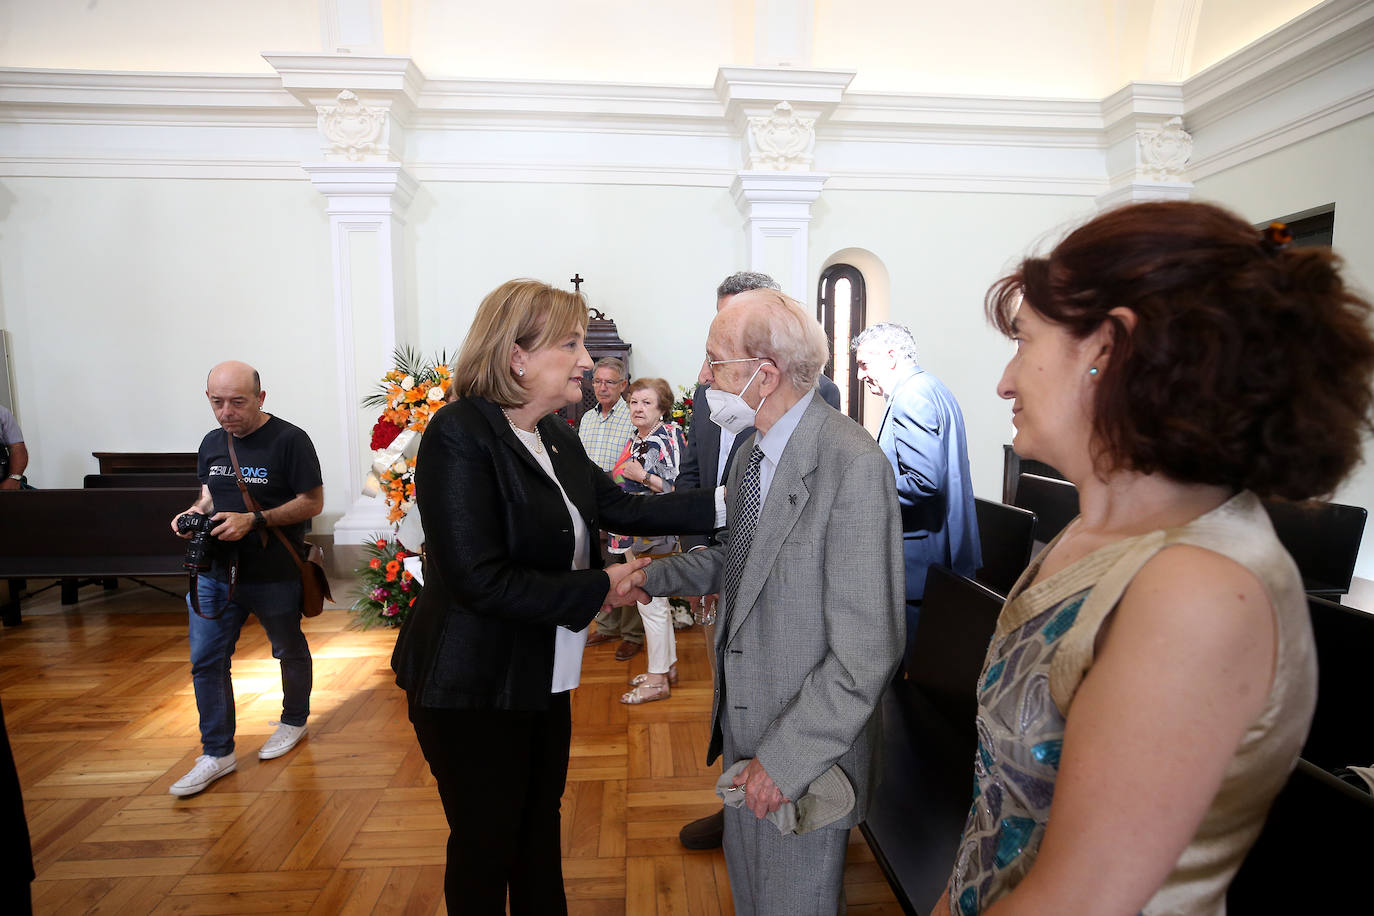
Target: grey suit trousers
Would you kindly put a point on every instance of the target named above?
(776, 875)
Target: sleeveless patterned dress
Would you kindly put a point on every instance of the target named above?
(1040, 651)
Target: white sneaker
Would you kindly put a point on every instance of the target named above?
(282, 740)
(206, 771)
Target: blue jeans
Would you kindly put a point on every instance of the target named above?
(277, 606)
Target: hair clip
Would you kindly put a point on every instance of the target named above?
(1275, 237)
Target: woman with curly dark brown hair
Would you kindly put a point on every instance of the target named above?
(1152, 676)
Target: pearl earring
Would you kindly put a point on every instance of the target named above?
(1092, 371)
(521, 371)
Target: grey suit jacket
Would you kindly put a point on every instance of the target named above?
(701, 461)
(818, 627)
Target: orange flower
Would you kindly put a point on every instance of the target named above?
(381, 543)
(406, 576)
(392, 566)
(375, 563)
(401, 554)
(391, 577)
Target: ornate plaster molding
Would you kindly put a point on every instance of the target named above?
(782, 141)
(353, 131)
(1164, 152)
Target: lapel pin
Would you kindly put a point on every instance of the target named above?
(792, 498)
(554, 449)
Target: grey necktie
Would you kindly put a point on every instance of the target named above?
(742, 533)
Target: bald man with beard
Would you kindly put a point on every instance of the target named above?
(251, 571)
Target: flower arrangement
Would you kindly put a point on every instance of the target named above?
(408, 395)
(386, 591)
(398, 488)
(681, 413)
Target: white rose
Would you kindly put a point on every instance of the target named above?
(407, 383)
(435, 394)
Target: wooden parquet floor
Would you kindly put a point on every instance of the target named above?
(101, 717)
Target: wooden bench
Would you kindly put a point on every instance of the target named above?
(81, 537)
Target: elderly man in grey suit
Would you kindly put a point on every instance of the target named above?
(810, 626)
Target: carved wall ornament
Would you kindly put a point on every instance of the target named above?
(353, 130)
(781, 141)
(1164, 152)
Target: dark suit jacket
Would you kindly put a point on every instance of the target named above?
(701, 463)
(922, 434)
(499, 545)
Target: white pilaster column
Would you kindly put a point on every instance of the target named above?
(1147, 148)
(776, 111)
(367, 201)
(362, 104)
(777, 213)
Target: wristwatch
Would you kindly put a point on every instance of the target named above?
(18, 477)
(259, 522)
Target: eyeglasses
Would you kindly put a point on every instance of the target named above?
(602, 383)
(743, 359)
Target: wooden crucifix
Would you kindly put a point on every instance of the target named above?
(577, 282)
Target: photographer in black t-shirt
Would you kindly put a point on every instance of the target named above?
(281, 471)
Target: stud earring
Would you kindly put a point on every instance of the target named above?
(521, 371)
(1092, 371)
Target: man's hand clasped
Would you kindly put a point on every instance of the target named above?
(761, 794)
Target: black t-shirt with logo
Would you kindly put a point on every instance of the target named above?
(278, 462)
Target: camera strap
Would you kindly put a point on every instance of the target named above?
(253, 506)
(195, 591)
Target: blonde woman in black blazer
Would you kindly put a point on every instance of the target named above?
(508, 565)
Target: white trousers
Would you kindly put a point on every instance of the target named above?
(659, 642)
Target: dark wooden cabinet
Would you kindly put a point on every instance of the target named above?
(603, 339)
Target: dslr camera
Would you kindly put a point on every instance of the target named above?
(199, 546)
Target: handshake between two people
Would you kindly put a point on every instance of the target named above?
(627, 585)
(627, 582)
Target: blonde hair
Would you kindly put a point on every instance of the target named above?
(525, 312)
(659, 387)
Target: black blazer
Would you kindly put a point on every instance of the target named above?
(499, 545)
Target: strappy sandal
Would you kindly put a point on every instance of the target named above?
(644, 678)
(646, 693)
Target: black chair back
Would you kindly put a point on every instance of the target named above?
(930, 739)
(1311, 851)
(1007, 536)
(1340, 735)
(956, 623)
(1324, 539)
(1054, 502)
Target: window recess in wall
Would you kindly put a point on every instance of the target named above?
(840, 308)
(1312, 227)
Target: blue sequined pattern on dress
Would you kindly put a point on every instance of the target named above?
(1020, 733)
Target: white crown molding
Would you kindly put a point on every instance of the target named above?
(1311, 75)
(316, 79)
(1317, 40)
(753, 91)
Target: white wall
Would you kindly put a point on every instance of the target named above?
(189, 36)
(1336, 166)
(1065, 48)
(942, 252)
(120, 294)
(652, 257)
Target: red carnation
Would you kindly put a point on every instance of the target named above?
(384, 433)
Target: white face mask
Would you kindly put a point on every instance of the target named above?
(730, 411)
